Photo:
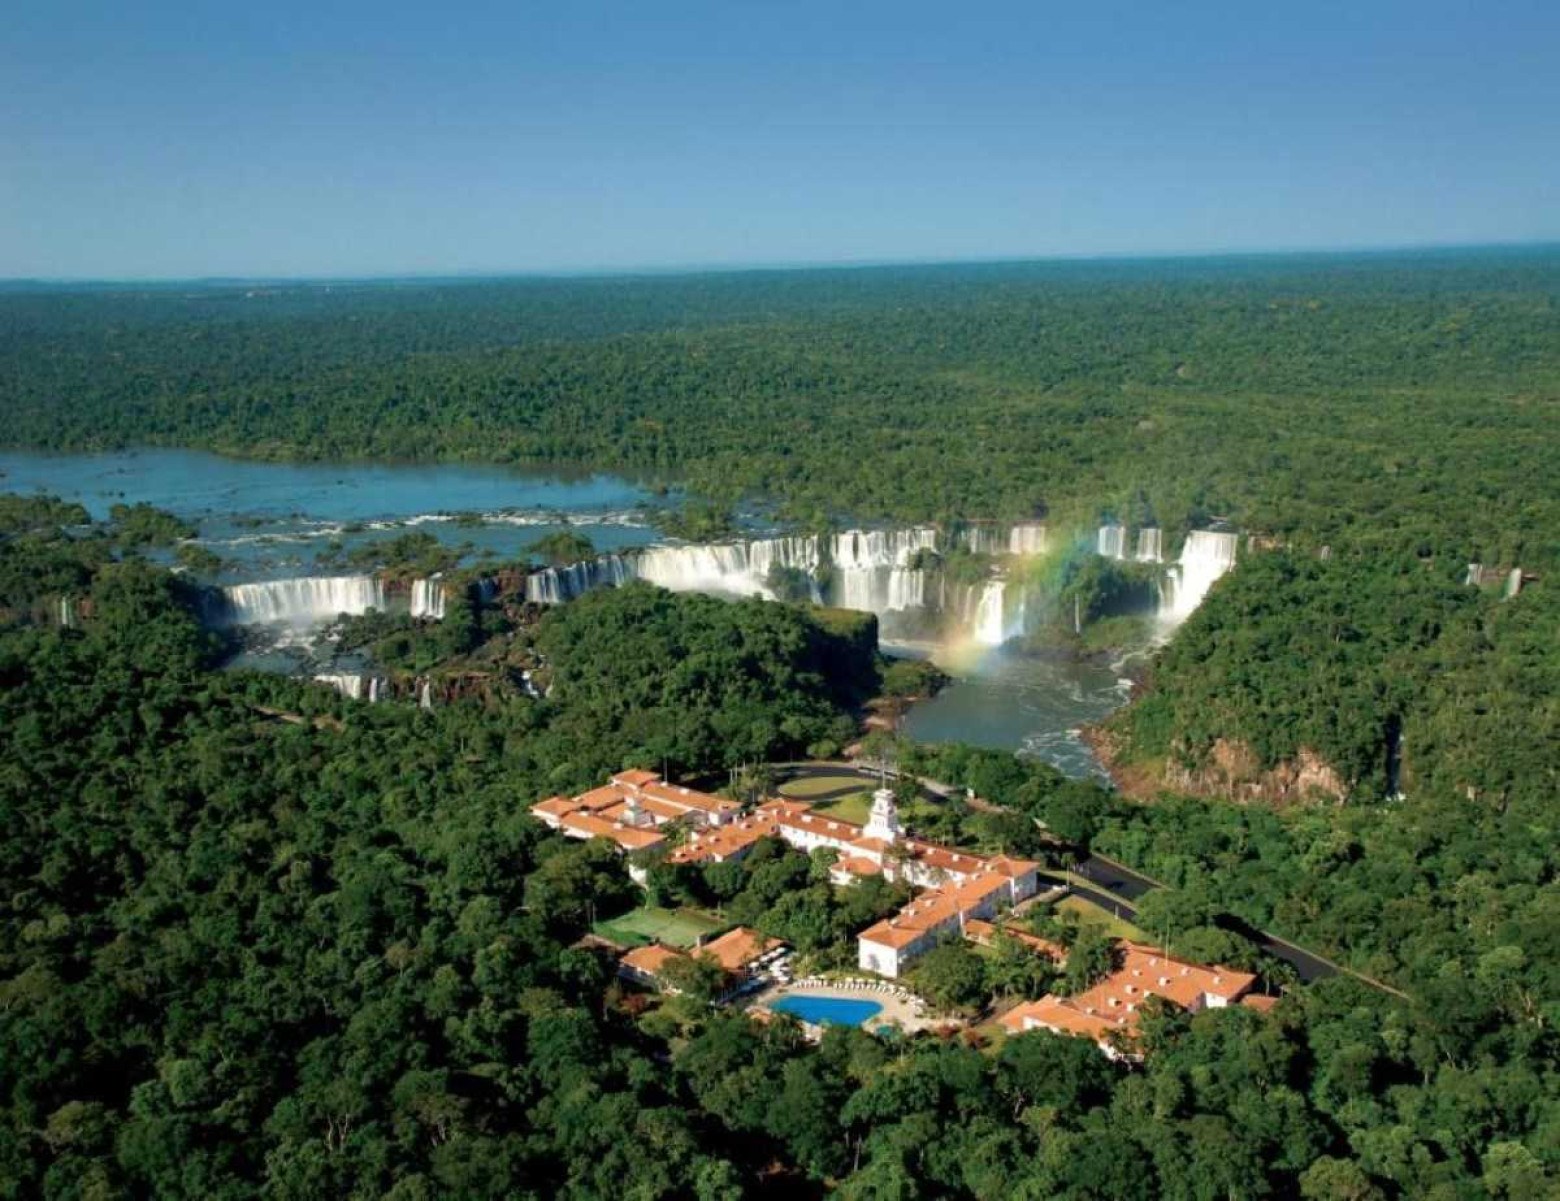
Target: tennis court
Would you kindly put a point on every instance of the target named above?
(648, 923)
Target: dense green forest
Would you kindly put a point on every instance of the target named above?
(1405, 681)
(1386, 400)
(255, 938)
(259, 940)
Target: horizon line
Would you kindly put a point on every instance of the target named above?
(738, 267)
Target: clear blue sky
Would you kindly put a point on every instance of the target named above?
(159, 139)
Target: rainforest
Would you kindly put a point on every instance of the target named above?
(259, 938)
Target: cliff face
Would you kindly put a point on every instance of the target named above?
(1230, 770)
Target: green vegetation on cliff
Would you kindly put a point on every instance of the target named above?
(1392, 671)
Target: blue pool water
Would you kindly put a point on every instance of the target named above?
(832, 1011)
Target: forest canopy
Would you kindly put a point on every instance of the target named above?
(334, 956)
(1393, 401)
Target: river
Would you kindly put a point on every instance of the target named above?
(274, 520)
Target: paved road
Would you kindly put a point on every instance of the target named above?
(1114, 887)
(1116, 878)
(1124, 883)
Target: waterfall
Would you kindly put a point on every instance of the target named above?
(1027, 538)
(359, 687)
(732, 567)
(1023, 538)
(1206, 556)
(1111, 541)
(739, 568)
(882, 590)
(428, 599)
(1148, 543)
(988, 627)
(67, 613)
(871, 572)
(856, 550)
(555, 585)
(983, 540)
(306, 601)
(743, 567)
(347, 685)
(425, 694)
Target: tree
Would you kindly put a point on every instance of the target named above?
(698, 977)
(577, 882)
(951, 976)
(1016, 969)
(562, 547)
(1092, 956)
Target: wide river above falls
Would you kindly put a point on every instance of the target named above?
(273, 520)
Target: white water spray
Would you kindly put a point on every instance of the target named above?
(428, 599)
(1111, 542)
(298, 602)
(1206, 556)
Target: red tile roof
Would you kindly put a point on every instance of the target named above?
(738, 947)
(650, 960)
(984, 932)
(630, 838)
(1116, 1000)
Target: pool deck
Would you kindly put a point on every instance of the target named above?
(909, 1016)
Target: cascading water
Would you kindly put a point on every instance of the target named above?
(989, 626)
(558, 584)
(1148, 546)
(855, 550)
(741, 568)
(353, 686)
(869, 571)
(306, 601)
(1206, 556)
(1111, 542)
(1027, 538)
(984, 539)
(428, 599)
(882, 590)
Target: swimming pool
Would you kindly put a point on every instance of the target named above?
(831, 1011)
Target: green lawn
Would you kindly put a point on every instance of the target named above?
(674, 927)
(853, 808)
(811, 786)
(1091, 913)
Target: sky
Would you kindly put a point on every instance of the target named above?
(175, 140)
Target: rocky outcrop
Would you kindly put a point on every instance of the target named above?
(1230, 770)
